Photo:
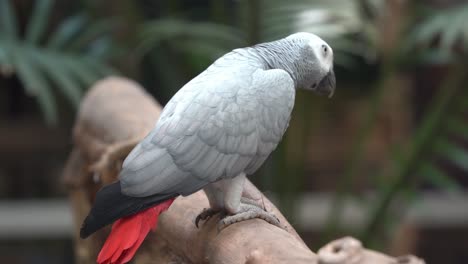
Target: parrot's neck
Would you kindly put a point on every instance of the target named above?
(281, 54)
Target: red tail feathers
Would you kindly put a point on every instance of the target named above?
(128, 233)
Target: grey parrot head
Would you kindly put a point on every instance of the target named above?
(314, 63)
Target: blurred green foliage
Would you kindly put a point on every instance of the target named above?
(70, 58)
(177, 42)
(429, 39)
(447, 27)
(435, 38)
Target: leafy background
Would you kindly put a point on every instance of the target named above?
(396, 129)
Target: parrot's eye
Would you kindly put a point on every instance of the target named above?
(324, 49)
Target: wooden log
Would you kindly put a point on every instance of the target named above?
(349, 250)
(116, 114)
(113, 117)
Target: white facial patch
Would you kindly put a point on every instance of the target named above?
(322, 51)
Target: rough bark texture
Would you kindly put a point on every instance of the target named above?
(117, 113)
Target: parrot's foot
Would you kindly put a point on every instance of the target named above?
(245, 200)
(249, 211)
(206, 214)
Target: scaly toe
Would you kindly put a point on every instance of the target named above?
(246, 212)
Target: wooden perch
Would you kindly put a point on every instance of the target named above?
(116, 114)
(349, 250)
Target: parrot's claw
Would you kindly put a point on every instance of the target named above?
(247, 212)
(206, 214)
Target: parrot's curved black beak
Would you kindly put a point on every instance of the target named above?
(327, 85)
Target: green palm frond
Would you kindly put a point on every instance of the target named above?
(439, 178)
(440, 35)
(447, 147)
(8, 25)
(217, 35)
(38, 22)
(65, 60)
(66, 31)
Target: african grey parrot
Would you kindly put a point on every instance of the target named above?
(217, 129)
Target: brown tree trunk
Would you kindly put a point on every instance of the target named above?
(117, 113)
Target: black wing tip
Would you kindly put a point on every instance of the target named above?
(90, 224)
(85, 230)
(83, 233)
(110, 205)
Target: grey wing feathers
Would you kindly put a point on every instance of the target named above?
(208, 132)
(277, 102)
